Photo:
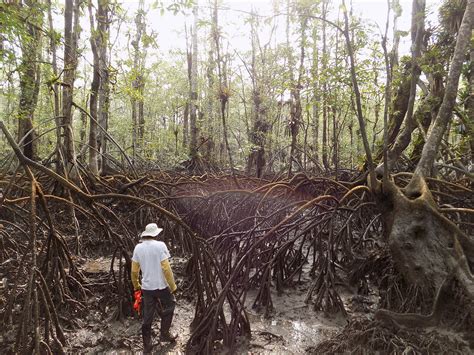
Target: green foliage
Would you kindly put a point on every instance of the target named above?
(397, 8)
(165, 79)
(175, 7)
(12, 30)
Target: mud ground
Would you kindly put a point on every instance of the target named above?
(292, 328)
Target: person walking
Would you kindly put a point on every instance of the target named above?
(157, 287)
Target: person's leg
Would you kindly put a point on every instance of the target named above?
(149, 303)
(166, 308)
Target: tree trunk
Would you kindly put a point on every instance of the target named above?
(83, 136)
(469, 120)
(335, 148)
(399, 106)
(297, 110)
(426, 247)
(138, 82)
(355, 85)
(224, 94)
(186, 125)
(55, 90)
(104, 88)
(134, 130)
(29, 71)
(210, 72)
(295, 91)
(426, 113)
(325, 88)
(430, 150)
(193, 148)
(316, 102)
(260, 128)
(141, 114)
(93, 128)
(71, 36)
(417, 34)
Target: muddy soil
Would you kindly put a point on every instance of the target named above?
(292, 328)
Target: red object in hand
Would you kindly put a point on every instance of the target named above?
(138, 301)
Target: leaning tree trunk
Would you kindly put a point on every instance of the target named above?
(426, 247)
(425, 113)
(398, 109)
(438, 129)
(358, 100)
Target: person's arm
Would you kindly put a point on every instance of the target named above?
(166, 267)
(134, 275)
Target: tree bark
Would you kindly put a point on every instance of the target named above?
(437, 130)
(324, 152)
(316, 101)
(335, 145)
(55, 90)
(417, 34)
(296, 108)
(71, 36)
(260, 126)
(138, 121)
(104, 88)
(186, 125)
(29, 71)
(355, 86)
(211, 87)
(427, 247)
(295, 87)
(399, 105)
(95, 43)
(426, 113)
(224, 94)
(469, 119)
(193, 149)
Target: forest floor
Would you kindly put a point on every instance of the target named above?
(293, 327)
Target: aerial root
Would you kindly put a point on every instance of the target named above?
(266, 236)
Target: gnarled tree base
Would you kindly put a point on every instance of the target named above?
(426, 247)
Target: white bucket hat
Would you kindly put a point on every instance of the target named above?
(151, 230)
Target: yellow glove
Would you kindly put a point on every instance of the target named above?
(166, 267)
(134, 275)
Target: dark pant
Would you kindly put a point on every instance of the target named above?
(161, 300)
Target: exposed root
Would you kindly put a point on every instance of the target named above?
(264, 235)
